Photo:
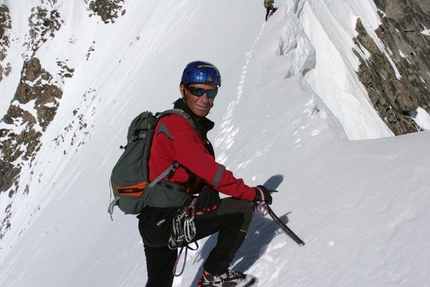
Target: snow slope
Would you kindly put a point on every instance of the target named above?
(290, 113)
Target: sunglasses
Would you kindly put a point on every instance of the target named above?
(198, 92)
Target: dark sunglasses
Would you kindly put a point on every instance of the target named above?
(200, 92)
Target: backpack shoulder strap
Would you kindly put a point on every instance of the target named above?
(180, 113)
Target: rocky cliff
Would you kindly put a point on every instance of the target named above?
(397, 76)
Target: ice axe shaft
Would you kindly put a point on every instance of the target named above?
(285, 227)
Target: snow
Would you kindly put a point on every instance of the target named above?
(291, 113)
(422, 118)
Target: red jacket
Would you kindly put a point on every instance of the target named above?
(175, 140)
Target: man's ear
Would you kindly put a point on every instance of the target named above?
(182, 91)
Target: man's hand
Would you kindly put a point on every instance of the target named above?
(263, 194)
(208, 200)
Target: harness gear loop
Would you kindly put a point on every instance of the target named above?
(183, 226)
(183, 232)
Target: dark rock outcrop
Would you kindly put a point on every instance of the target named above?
(5, 26)
(108, 10)
(397, 76)
(33, 87)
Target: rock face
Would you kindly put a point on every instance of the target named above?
(397, 78)
(35, 88)
(22, 126)
(5, 25)
(21, 129)
(34, 104)
(107, 9)
(38, 94)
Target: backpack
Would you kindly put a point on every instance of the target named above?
(268, 3)
(129, 179)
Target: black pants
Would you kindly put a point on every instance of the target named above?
(231, 220)
(268, 9)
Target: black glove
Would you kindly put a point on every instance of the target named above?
(208, 200)
(267, 196)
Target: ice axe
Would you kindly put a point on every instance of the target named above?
(271, 184)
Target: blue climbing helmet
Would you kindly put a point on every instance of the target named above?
(201, 72)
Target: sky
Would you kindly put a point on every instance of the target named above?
(290, 114)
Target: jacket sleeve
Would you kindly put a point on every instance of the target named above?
(186, 147)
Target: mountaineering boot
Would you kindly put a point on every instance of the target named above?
(229, 279)
(273, 11)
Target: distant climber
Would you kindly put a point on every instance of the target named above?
(270, 9)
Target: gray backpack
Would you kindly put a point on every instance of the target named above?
(129, 180)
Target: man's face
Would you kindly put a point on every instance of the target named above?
(200, 106)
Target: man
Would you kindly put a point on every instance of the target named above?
(269, 8)
(176, 141)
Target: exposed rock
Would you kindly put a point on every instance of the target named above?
(5, 25)
(24, 121)
(22, 139)
(108, 10)
(43, 23)
(5, 223)
(397, 78)
(66, 71)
